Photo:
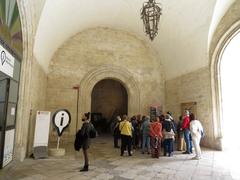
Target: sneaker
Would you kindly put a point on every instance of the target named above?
(186, 152)
(196, 158)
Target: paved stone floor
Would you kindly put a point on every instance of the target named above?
(106, 163)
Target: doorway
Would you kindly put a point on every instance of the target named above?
(109, 99)
(230, 88)
(8, 105)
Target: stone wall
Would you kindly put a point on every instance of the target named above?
(193, 87)
(37, 98)
(93, 49)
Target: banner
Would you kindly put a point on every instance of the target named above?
(6, 62)
(8, 147)
(42, 128)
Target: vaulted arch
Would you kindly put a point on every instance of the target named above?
(109, 72)
(216, 81)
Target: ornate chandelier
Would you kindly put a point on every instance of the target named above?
(150, 14)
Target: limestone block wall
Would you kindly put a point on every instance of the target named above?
(93, 49)
(37, 98)
(193, 87)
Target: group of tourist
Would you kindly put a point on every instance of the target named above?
(147, 134)
(151, 134)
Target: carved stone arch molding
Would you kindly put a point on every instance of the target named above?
(109, 72)
(216, 81)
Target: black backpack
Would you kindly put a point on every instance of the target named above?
(92, 132)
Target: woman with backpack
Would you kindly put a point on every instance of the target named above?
(168, 135)
(86, 132)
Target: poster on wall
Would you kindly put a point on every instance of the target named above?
(6, 62)
(8, 147)
(41, 134)
(155, 110)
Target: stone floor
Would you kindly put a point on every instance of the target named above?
(106, 163)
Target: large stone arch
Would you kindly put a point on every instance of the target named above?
(216, 81)
(109, 72)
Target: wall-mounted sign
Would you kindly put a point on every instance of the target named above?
(155, 110)
(6, 62)
(61, 120)
(8, 147)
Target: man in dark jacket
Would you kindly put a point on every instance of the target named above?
(116, 132)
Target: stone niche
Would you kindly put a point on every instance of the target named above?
(102, 53)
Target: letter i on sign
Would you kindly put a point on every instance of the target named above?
(62, 119)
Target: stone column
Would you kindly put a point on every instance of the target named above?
(24, 105)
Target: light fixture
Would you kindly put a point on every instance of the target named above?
(150, 14)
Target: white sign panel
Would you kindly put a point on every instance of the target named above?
(6, 62)
(8, 147)
(42, 128)
(61, 120)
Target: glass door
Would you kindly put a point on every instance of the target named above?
(8, 104)
(4, 89)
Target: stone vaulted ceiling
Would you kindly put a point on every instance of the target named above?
(185, 31)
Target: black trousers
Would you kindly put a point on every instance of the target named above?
(115, 138)
(126, 143)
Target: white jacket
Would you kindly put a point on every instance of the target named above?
(196, 128)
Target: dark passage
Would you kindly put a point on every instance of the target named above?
(109, 99)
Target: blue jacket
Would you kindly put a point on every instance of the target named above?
(145, 128)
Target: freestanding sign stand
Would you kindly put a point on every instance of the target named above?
(61, 120)
(41, 134)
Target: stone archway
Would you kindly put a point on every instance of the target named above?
(216, 82)
(109, 72)
(109, 99)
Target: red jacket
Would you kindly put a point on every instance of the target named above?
(156, 129)
(186, 123)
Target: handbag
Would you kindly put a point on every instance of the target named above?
(78, 141)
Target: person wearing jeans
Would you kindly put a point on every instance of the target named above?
(168, 135)
(186, 131)
(145, 128)
(188, 141)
